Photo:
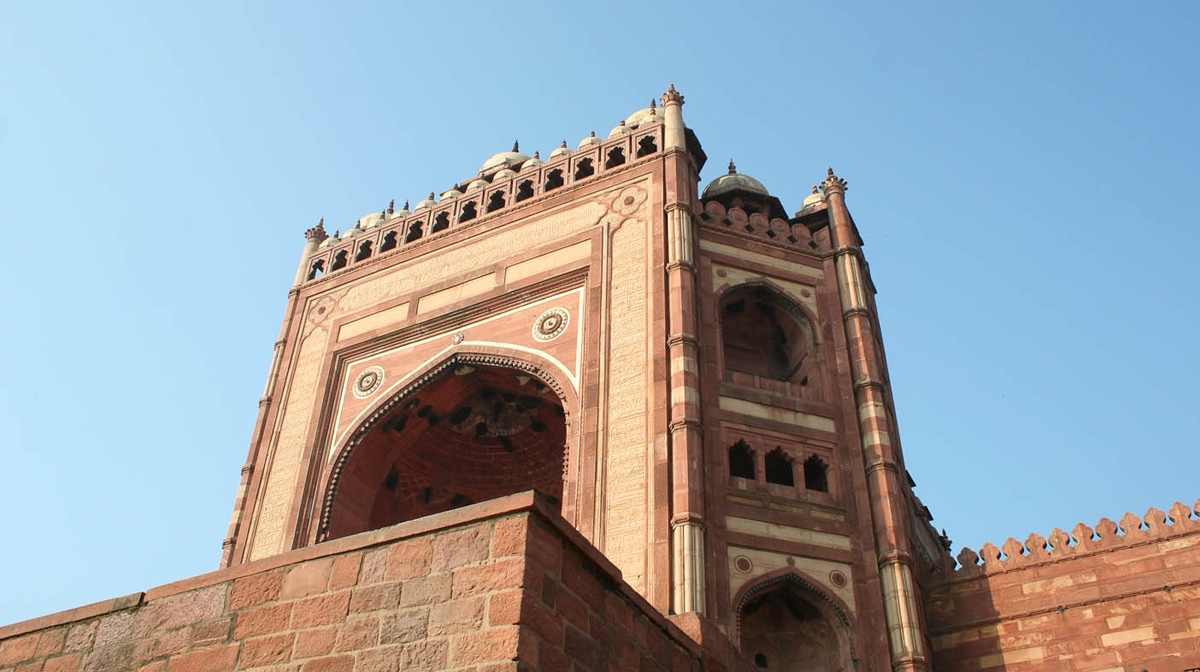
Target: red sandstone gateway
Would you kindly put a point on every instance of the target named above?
(582, 414)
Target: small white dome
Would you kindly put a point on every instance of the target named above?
(503, 175)
(477, 184)
(449, 194)
(533, 163)
(816, 198)
(589, 141)
(367, 220)
(619, 130)
(561, 151)
(648, 115)
(327, 242)
(427, 203)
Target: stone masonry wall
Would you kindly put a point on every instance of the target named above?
(1121, 597)
(502, 585)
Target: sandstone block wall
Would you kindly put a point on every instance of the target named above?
(503, 585)
(1121, 597)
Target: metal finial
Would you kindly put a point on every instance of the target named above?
(732, 168)
(516, 146)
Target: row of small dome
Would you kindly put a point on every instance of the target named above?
(507, 164)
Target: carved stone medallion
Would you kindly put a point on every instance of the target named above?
(368, 382)
(551, 324)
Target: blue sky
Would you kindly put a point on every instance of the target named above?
(1023, 175)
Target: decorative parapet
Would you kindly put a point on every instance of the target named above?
(757, 225)
(401, 229)
(1081, 541)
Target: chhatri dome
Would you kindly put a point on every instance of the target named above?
(504, 159)
(731, 181)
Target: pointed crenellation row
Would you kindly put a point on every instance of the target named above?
(1082, 540)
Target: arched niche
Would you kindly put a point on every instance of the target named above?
(474, 427)
(765, 333)
(785, 622)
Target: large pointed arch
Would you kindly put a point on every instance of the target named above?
(794, 582)
(544, 378)
(767, 332)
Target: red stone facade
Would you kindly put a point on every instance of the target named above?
(504, 585)
(694, 383)
(1120, 597)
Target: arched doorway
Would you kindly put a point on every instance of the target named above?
(786, 625)
(468, 433)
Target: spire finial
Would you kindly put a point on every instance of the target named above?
(406, 204)
(815, 189)
(431, 195)
(732, 168)
(391, 207)
(516, 145)
(537, 155)
(593, 134)
(653, 103)
(622, 123)
(317, 233)
(833, 183)
(672, 96)
(564, 145)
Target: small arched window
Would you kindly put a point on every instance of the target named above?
(616, 157)
(496, 201)
(763, 333)
(441, 222)
(741, 461)
(524, 190)
(646, 146)
(468, 212)
(777, 468)
(389, 241)
(584, 169)
(364, 251)
(816, 475)
(316, 270)
(339, 260)
(414, 232)
(554, 179)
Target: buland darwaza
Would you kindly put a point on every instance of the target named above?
(582, 414)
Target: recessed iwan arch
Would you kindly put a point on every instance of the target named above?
(473, 427)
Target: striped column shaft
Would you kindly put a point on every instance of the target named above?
(883, 471)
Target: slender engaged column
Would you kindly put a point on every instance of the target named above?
(905, 631)
(686, 438)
